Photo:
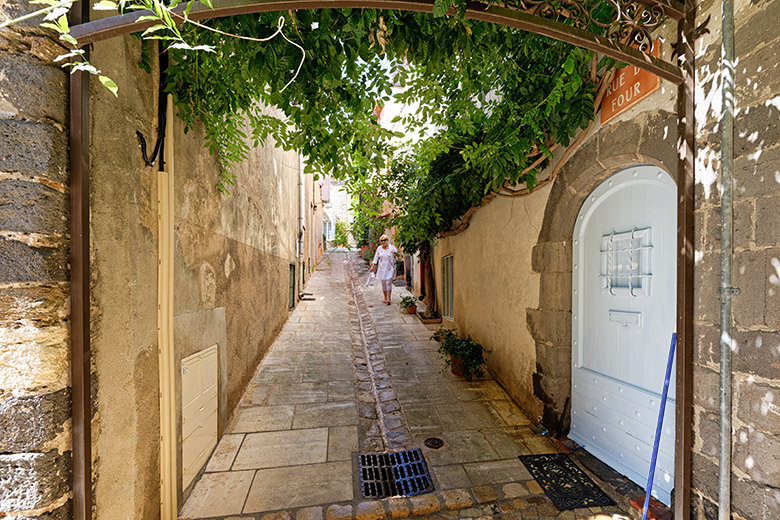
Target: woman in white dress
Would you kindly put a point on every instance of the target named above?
(384, 266)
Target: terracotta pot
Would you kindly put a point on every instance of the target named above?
(456, 365)
(411, 310)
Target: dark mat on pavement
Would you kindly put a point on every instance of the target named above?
(566, 485)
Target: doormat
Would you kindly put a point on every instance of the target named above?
(401, 473)
(566, 485)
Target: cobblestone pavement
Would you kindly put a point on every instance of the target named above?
(349, 374)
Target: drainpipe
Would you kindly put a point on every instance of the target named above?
(726, 253)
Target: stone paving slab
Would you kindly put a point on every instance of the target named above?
(262, 419)
(300, 486)
(218, 494)
(282, 448)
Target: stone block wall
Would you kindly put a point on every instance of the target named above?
(647, 136)
(756, 265)
(35, 442)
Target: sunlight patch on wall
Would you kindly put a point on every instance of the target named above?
(707, 165)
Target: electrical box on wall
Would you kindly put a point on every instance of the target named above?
(199, 391)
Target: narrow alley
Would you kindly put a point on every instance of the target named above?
(349, 374)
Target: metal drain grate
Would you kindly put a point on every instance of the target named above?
(402, 473)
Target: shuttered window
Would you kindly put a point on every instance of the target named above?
(292, 286)
(447, 291)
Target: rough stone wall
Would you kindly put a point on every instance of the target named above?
(233, 253)
(35, 430)
(756, 340)
(645, 136)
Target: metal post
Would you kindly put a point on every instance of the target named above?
(726, 234)
(80, 361)
(686, 132)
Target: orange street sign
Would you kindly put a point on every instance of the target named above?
(629, 85)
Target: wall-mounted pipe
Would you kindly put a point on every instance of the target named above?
(301, 207)
(169, 483)
(726, 290)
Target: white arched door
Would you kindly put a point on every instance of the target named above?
(623, 316)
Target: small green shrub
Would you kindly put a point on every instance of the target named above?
(470, 353)
(340, 235)
(368, 254)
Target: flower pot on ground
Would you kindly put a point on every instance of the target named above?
(409, 303)
(464, 356)
(456, 365)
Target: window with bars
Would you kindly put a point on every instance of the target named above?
(625, 262)
(446, 288)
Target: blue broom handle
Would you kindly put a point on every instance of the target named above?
(660, 426)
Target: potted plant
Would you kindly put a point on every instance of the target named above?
(409, 303)
(442, 333)
(464, 356)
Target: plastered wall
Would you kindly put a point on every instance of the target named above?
(493, 285)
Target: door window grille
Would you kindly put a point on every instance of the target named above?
(448, 310)
(625, 262)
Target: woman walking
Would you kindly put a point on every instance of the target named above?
(384, 266)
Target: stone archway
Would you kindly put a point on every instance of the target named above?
(606, 152)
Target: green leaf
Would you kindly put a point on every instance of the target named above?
(62, 21)
(71, 54)
(440, 7)
(69, 39)
(153, 28)
(109, 84)
(51, 26)
(105, 5)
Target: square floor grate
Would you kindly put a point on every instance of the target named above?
(401, 473)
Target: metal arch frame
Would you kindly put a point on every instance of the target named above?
(122, 24)
(682, 76)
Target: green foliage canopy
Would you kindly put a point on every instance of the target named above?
(503, 95)
(501, 98)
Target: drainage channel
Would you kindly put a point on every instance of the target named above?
(383, 425)
(386, 466)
